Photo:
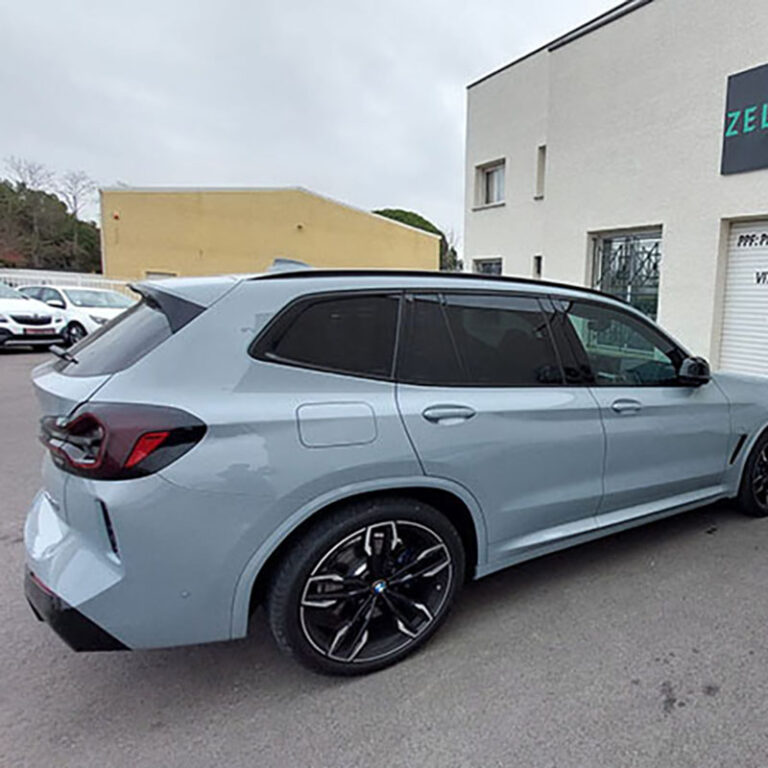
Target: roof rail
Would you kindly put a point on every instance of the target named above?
(312, 273)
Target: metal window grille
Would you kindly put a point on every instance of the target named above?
(627, 266)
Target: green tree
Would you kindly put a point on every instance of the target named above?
(36, 228)
(449, 259)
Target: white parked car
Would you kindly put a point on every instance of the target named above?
(25, 321)
(85, 309)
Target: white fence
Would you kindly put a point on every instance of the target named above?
(18, 277)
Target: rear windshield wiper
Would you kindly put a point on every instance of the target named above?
(63, 354)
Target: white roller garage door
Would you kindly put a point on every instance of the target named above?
(744, 344)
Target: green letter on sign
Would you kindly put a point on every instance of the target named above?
(734, 118)
(749, 119)
(764, 126)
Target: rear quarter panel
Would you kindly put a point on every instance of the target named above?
(257, 465)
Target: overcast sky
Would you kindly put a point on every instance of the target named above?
(362, 101)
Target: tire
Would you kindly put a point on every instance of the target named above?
(73, 333)
(399, 562)
(753, 492)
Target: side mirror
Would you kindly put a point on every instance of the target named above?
(58, 303)
(694, 371)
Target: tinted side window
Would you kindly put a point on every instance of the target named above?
(623, 350)
(119, 343)
(429, 354)
(503, 341)
(346, 334)
(478, 341)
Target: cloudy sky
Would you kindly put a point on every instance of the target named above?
(358, 100)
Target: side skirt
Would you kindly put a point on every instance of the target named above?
(597, 533)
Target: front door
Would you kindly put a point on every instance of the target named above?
(667, 443)
(482, 395)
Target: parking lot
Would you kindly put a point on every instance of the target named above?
(648, 648)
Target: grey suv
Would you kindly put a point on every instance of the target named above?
(346, 448)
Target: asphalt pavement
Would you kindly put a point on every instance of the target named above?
(648, 648)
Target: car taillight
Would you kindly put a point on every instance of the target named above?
(114, 441)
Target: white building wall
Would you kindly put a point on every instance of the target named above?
(633, 122)
(507, 119)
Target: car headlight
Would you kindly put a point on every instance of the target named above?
(3, 319)
(98, 320)
(58, 317)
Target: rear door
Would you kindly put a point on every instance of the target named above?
(483, 397)
(667, 443)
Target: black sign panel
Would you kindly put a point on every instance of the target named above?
(745, 139)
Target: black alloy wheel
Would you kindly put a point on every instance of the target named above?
(366, 592)
(73, 333)
(760, 478)
(753, 494)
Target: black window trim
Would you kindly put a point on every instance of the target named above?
(548, 302)
(409, 297)
(285, 316)
(582, 357)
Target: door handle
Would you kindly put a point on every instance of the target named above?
(448, 414)
(626, 405)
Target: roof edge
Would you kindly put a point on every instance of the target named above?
(304, 190)
(612, 14)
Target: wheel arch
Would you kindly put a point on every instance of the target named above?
(453, 500)
(745, 453)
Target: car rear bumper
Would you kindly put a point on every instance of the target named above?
(162, 578)
(77, 631)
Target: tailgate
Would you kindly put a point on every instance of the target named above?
(58, 394)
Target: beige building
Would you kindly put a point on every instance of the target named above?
(632, 155)
(165, 232)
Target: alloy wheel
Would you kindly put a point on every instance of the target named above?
(74, 333)
(760, 478)
(375, 592)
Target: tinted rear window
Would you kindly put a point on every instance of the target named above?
(349, 334)
(119, 343)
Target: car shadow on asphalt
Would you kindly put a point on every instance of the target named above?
(255, 663)
(165, 690)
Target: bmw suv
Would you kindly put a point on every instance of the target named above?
(346, 448)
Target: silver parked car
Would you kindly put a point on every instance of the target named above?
(347, 447)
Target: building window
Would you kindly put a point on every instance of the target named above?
(627, 265)
(541, 172)
(490, 183)
(488, 266)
